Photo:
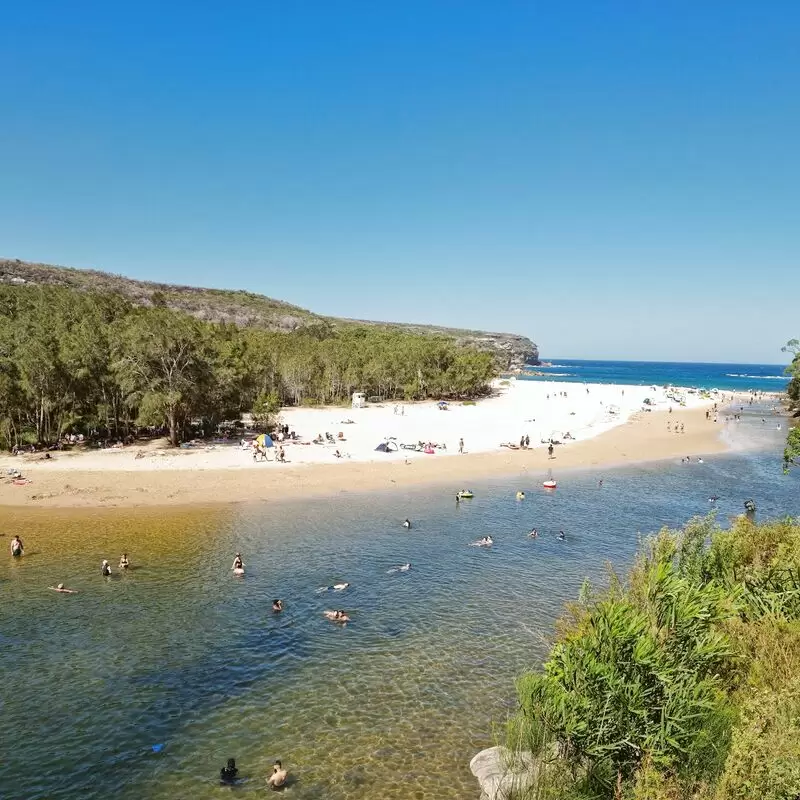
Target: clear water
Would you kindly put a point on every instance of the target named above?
(727, 377)
(181, 654)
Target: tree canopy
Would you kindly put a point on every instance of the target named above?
(93, 363)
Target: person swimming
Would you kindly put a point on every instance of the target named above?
(63, 589)
(340, 587)
(105, 569)
(229, 772)
(278, 777)
(713, 498)
(277, 606)
(534, 534)
(407, 523)
(123, 561)
(399, 568)
(520, 495)
(336, 616)
(561, 536)
(17, 548)
(486, 541)
(237, 562)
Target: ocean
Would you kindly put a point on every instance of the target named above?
(726, 377)
(142, 685)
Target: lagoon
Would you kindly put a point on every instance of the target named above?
(179, 653)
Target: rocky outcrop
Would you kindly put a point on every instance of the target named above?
(246, 308)
(503, 775)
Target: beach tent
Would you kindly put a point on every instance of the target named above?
(386, 447)
(264, 441)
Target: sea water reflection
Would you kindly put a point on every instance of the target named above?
(179, 653)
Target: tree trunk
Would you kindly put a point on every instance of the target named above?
(173, 428)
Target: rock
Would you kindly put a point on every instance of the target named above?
(503, 775)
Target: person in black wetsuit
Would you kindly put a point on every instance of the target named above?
(229, 772)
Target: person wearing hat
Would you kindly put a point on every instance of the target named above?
(105, 569)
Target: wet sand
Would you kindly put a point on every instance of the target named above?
(644, 437)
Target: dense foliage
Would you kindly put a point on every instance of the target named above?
(682, 683)
(791, 455)
(96, 364)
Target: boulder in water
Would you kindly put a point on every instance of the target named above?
(503, 774)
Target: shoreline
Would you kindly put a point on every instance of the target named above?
(642, 438)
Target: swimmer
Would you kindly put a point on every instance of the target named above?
(237, 562)
(340, 587)
(520, 495)
(278, 777)
(105, 569)
(277, 606)
(123, 561)
(534, 534)
(400, 568)
(561, 536)
(336, 616)
(713, 498)
(17, 548)
(407, 523)
(229, 772)
(487, 541)
(700, 461)
(63, 589)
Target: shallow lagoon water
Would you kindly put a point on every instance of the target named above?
(181, 654)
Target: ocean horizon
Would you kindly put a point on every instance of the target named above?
(736, 377)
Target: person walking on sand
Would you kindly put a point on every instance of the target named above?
(461, 445)
(550, 450)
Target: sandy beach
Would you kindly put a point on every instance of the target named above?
(607, 426)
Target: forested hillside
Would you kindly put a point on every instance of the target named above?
(96, 363)
(247, 309)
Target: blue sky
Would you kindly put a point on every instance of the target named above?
(612, 179)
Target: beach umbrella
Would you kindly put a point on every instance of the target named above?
(263, 440)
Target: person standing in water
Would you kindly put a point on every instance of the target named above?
(278, 777)
(105, 569)
(17, 548)
(237, 562)
(123, 561)
(277, 606)
(229, 772)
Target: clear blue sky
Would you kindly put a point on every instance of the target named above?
(612, 179)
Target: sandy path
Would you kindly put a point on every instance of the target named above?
(643, 437)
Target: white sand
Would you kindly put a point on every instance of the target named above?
(520, 408)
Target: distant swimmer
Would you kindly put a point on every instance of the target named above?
(406, 523)
(237, 562)
(336, 616)
(17, 548)
(400, 568)
(700, 461)
(561, 536)
(340, 587)
(105, 569)
(277, 606)
(534, 534)
(229, 772)
(123, 561)
(278, 777)
(713, 498)
(520, 495)
(486, 541)
(63, 589)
